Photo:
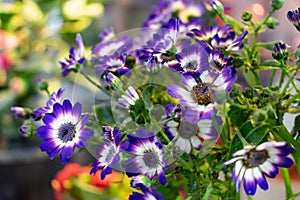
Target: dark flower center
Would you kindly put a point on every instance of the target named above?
(67, 132)
(192, 65)
(187, 130)
(151, 160)
(256, 158)
(201, 93)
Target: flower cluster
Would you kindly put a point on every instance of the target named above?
(179, 108)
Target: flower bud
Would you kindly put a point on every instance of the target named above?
(280, 51)
(20, 112)
(277, 4)
(271, 23)
(259, 116)
(27, 129)
(294, 18)
(246, 16)
(43, 85)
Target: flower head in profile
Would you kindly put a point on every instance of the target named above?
(254, 163)
(54, 98)
(220, 38)
(108, 151)
(185, 135)
(75, 58)
(147, 156)
(64, 130)
(294, 17)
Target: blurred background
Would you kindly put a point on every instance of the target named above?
(36, 34)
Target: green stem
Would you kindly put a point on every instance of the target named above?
(162, 133)
(90, 80)
(257, 80)
(291, 80)
(272, 77)
(287, 183)
(185, 164)
(243, 140)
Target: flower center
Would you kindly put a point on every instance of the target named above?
(187, 130)
(256, 158)
(110, 154)
(201, 93)
(66, 132)
(191, 65)
(151, 160)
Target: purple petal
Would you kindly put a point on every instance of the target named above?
(249, 182)
(66, 154)
(45, 132)
(106, 170)
(162, 177)
(77, 109)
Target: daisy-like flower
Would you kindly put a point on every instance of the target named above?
(225, 39)
(218, 62)
(40, 112)
(115, 64)
(200, 97)
(75, 58)
(254, 163)
(280, 51)
(108, 151)
(185, 135)
(147, 156)
(64, 130)
(220, 38)
(294, 18)
(193, 60)
(157, 51)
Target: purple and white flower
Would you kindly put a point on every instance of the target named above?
(199, 97)
(193, 60)
(108, 151)
(147, 157)
(75, 57)
(185, 135)
(220, 38)
(225, 39)
(294, 18)
(254, 163)
(129, 99)
(64, 130)
(40, 112)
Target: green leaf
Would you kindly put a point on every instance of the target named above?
(237, 115)
(267, 45)
(296, 127)
(269, 65)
